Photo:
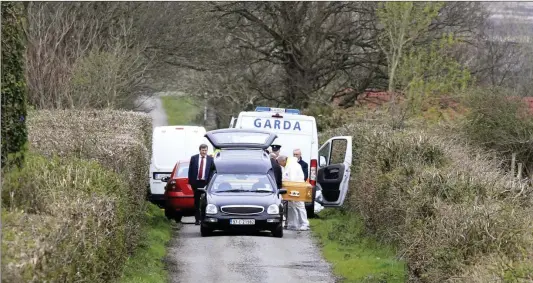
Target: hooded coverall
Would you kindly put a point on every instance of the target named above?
(296, 214)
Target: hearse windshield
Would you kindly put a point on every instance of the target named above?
(241, 183)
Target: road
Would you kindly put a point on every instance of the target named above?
(236, 258)
(226, 258)
(154, 106)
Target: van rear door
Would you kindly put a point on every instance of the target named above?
(334, 162)
(174, 143)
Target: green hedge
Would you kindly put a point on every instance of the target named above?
(63, 221)
(14, 134)
(447, 206)
(502, 124)
(74, 210)
(119, 140)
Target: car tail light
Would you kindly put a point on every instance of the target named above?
(312, 175)
(173, 187)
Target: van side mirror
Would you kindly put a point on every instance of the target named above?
(165, 179)
(282, 191)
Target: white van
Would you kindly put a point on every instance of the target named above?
(332, 160)
(171, 144)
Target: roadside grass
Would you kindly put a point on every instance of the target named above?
(354, 256)
(146, 265)
(180, 110)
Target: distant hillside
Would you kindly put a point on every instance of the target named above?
(512, 20)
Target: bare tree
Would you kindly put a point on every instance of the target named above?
(502, 55)
(65, 39)
(312, 41)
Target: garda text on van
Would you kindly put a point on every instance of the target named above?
(263, 123)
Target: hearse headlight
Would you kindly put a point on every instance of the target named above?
(211, 209)
(273, 209)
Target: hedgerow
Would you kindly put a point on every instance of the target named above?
(73, 211)
(14, 133)
(449, 208)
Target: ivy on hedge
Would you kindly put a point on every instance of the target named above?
(14, 133)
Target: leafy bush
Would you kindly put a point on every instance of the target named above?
(64, 220)
(445, 205)
(325, 115)
(14, 134)
(500, 123)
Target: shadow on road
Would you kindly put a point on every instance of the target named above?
(193, 231)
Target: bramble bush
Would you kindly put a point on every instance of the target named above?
(500, 123)
(447, 206)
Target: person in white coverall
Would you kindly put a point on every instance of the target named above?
(296, 214)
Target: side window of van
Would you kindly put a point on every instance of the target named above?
(323, 159)
(338, 151)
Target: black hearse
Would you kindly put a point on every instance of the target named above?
(242, 194)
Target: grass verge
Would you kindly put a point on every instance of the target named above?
(354, 256)
(180, 110)
(146, 265)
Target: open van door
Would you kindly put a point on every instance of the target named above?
(334, 162)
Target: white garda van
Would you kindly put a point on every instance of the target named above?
(329, 163)
(171, 144)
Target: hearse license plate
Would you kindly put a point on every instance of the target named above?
(242, 221)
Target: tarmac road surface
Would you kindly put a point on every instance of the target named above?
(228, 258)
(235, 258)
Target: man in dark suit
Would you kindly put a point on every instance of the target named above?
(201, 168)
(305, 167)
(276, 168)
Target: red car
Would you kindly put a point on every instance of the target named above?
(179, 197)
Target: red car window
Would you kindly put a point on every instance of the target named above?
(183, 172)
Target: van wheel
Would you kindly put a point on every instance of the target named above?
(205, 232)
(278, 232)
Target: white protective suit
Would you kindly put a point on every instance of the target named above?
(296, 214)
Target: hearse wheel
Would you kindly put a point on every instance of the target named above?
(278, 232)
(205, 232)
